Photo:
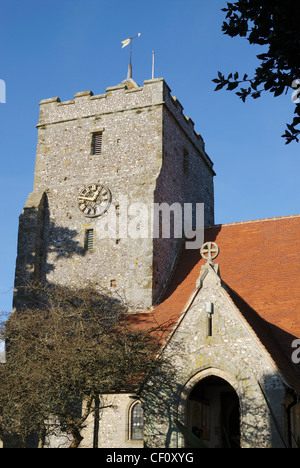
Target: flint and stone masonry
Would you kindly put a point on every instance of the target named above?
(147, 152)
(230, 354)
(150, 153)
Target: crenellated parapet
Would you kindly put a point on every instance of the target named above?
(119, 99)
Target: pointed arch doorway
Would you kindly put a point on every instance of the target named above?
(213, 414)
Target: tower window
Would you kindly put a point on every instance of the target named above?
(185, 161)
(136, 422)
(89, 239)
(97, 143)
(209, 317)
(209, 325)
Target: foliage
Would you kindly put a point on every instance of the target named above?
(273, 24)
(66, 347)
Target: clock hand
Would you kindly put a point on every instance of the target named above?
(94, 198)
(86, 198)
(96, 194)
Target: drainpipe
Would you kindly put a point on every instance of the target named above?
(289, 419)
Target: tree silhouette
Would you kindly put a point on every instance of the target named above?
(275, 25)
(65, 350)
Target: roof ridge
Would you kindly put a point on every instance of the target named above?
(262, 220)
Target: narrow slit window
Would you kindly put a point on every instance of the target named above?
(89, 239)
(209, 318)
(97, 143)
(185, 162)
(209, 325)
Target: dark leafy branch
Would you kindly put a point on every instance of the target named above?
(273, 24)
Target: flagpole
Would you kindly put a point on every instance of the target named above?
(129, 75)
(153, 53)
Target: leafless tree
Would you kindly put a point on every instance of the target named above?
(64, 348)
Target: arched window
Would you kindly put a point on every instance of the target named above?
(136, 422)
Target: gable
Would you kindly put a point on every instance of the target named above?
(212, 331)
(260, 270)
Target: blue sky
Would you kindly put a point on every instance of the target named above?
(57, 48)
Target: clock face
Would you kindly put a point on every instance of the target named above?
(94, 200)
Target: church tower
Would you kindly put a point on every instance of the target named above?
(99, 159)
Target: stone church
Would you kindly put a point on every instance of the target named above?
(234, 303)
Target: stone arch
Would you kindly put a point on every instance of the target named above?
(135, 422)
(210, 407)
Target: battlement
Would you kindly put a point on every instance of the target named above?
(127, 96)
(116, 99)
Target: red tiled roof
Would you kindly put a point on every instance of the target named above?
(259, 261)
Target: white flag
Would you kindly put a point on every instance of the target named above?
(126, 42)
